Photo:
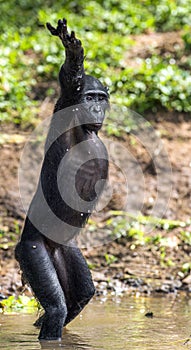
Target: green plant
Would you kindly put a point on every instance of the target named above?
(186, 268)
(22, 303)
(185, 237)
(109, 258)
(186, 36)
(30, 58)
(134, 229)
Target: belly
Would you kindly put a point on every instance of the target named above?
(82, 173)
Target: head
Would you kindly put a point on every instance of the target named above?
(96, 101)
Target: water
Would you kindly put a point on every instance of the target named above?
(118, 323)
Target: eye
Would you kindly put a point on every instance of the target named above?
(89, 98)
(102, 98)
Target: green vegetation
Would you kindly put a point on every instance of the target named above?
(123, 224)
(110, 258)
(9, 237)
(151, 231)
(22, 303)
(30, 58)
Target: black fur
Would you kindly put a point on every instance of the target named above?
(58, 273)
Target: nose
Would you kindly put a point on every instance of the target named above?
(96, 108)
(97, 113)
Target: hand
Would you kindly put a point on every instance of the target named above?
(69, 40)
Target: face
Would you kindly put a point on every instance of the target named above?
(96, 102)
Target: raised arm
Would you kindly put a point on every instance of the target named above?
(71, 76)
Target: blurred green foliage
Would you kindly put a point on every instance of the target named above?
(22, 303)
(138, 228)
(30, 57)
(143, 230)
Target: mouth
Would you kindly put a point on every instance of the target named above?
(93, 127)
(98, 125)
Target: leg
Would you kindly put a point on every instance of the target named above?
(40, 272)
(75, 279)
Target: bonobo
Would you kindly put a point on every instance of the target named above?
(48, 254)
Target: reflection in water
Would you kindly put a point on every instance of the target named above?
(112, 324)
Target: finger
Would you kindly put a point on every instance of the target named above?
(72, 34)
(52, 29)
(65, 25)
(72, 37)
(62, 26)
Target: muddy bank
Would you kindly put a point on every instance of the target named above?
(124, 264)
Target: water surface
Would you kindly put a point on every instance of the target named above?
(116, 323)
